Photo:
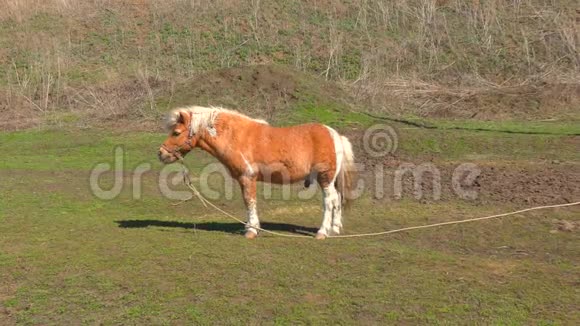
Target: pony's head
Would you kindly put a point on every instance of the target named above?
(181, 139)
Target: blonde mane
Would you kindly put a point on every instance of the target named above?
(203, 117)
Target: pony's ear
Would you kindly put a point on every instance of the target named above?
(183, 116)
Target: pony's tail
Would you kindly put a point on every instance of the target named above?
(345, 178)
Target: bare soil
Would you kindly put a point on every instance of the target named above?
(519, 183)
(498, 183)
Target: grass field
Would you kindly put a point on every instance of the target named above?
(69, 257)
(492, 83)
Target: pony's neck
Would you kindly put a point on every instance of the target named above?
(210, 146)
(218, 144)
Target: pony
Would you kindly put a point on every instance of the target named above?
(252, 151)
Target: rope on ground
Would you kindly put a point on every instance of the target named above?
(452, 222)
(205, 202)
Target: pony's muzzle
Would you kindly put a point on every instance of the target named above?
(166, 156)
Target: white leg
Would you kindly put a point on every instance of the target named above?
(335, 200)
(329, 194)
(336, 214)
(249, 192)
(253, 220)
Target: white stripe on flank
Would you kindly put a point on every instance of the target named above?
(249, 169)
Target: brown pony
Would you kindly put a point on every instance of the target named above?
(252, 151)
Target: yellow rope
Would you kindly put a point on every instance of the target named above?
(452, 222)
(206, 202)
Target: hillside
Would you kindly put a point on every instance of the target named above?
(89, 62)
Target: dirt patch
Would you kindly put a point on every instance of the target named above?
(522, 183)
(519, 185)
(547, 184)
(268, 79)
(261, 89)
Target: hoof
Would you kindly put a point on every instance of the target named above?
(320, 236)
(251, 235)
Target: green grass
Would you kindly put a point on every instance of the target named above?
(68, 257)
(329, 114)
(456, 140)
(69, 261)
(81, 150)
(454, 145)
(76, 150)
(507, 126)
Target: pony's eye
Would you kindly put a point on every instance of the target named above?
(176, 133)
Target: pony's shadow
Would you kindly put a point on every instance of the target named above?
(235, 228)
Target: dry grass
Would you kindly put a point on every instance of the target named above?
(464, 49)
(400, 56)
